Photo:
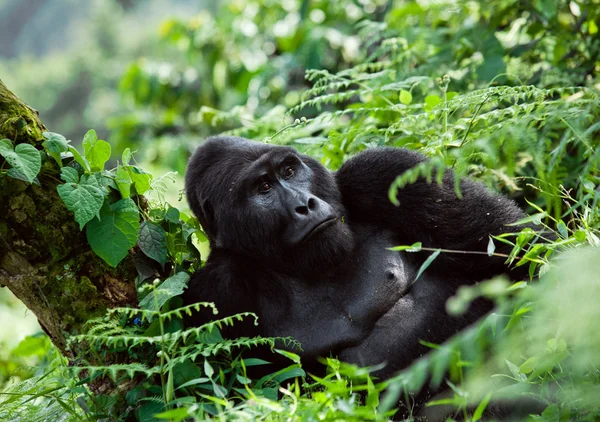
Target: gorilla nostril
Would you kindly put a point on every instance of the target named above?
(312, 203)
(302, 210)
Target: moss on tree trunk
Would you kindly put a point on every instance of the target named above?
(45, 259)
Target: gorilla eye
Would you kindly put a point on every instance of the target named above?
(288, 172)
(264, 188)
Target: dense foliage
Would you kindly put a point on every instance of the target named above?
(506, 92)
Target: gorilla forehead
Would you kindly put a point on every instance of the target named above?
(221, 163)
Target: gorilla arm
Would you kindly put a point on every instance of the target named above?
(430, 213)
(221, 283)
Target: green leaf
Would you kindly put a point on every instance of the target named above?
(153, 242)
(529, 365)
(123, 181)
(534, 218)
(427, 263)
(83, 197)
(415, 247)
(405, 97)
(208, 370)
(140, 178)
(562, 229)
(547, 8)
(115, 232)
(431, 101)
(171, 287)
(96, 151)
(32, 346)
(126, 157)
(172, 215)
(491, 248)
(481, 408)
(16, 174)
(80, 159)
(70, 175)
(54, 145)
(24, 158)
(174, 415)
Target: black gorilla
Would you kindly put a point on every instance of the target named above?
(307, 250)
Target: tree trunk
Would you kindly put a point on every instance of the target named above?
(45, 259)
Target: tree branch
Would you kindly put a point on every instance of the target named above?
(45, 259)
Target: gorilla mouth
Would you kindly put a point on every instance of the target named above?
(317, 228)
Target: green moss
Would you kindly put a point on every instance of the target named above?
(17, 120)
(81, 288)
(74, 297)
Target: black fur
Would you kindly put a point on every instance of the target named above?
(339, 291)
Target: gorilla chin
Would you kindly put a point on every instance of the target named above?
(326, 246)
(308, 250)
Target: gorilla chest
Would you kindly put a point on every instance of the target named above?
(335, 311)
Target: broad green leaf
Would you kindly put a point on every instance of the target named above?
(140, 178)
(54, 145)
(152, 242)
(123, 181)
(115, 232)
(171, 287)
(431, 101)
(80, 159)
(69, 175)
(83, 197)
(405, 97)
(24, 158)
(96, 151)
(172, 215)
(32, 346)
(16, 174)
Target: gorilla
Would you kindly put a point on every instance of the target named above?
(308, 250)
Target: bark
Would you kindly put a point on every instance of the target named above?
(45, 259)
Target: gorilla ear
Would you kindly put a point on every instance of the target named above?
(209, 223)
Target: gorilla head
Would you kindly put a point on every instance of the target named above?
(270, 203)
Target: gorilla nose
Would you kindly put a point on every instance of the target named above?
(311, 205)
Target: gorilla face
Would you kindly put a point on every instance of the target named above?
(268, 202)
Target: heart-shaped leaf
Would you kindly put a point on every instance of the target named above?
(96, 151)
(83, 197)
(115, 232)
(24, 158)
(54, 145)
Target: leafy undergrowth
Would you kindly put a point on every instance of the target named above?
(537, 142)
